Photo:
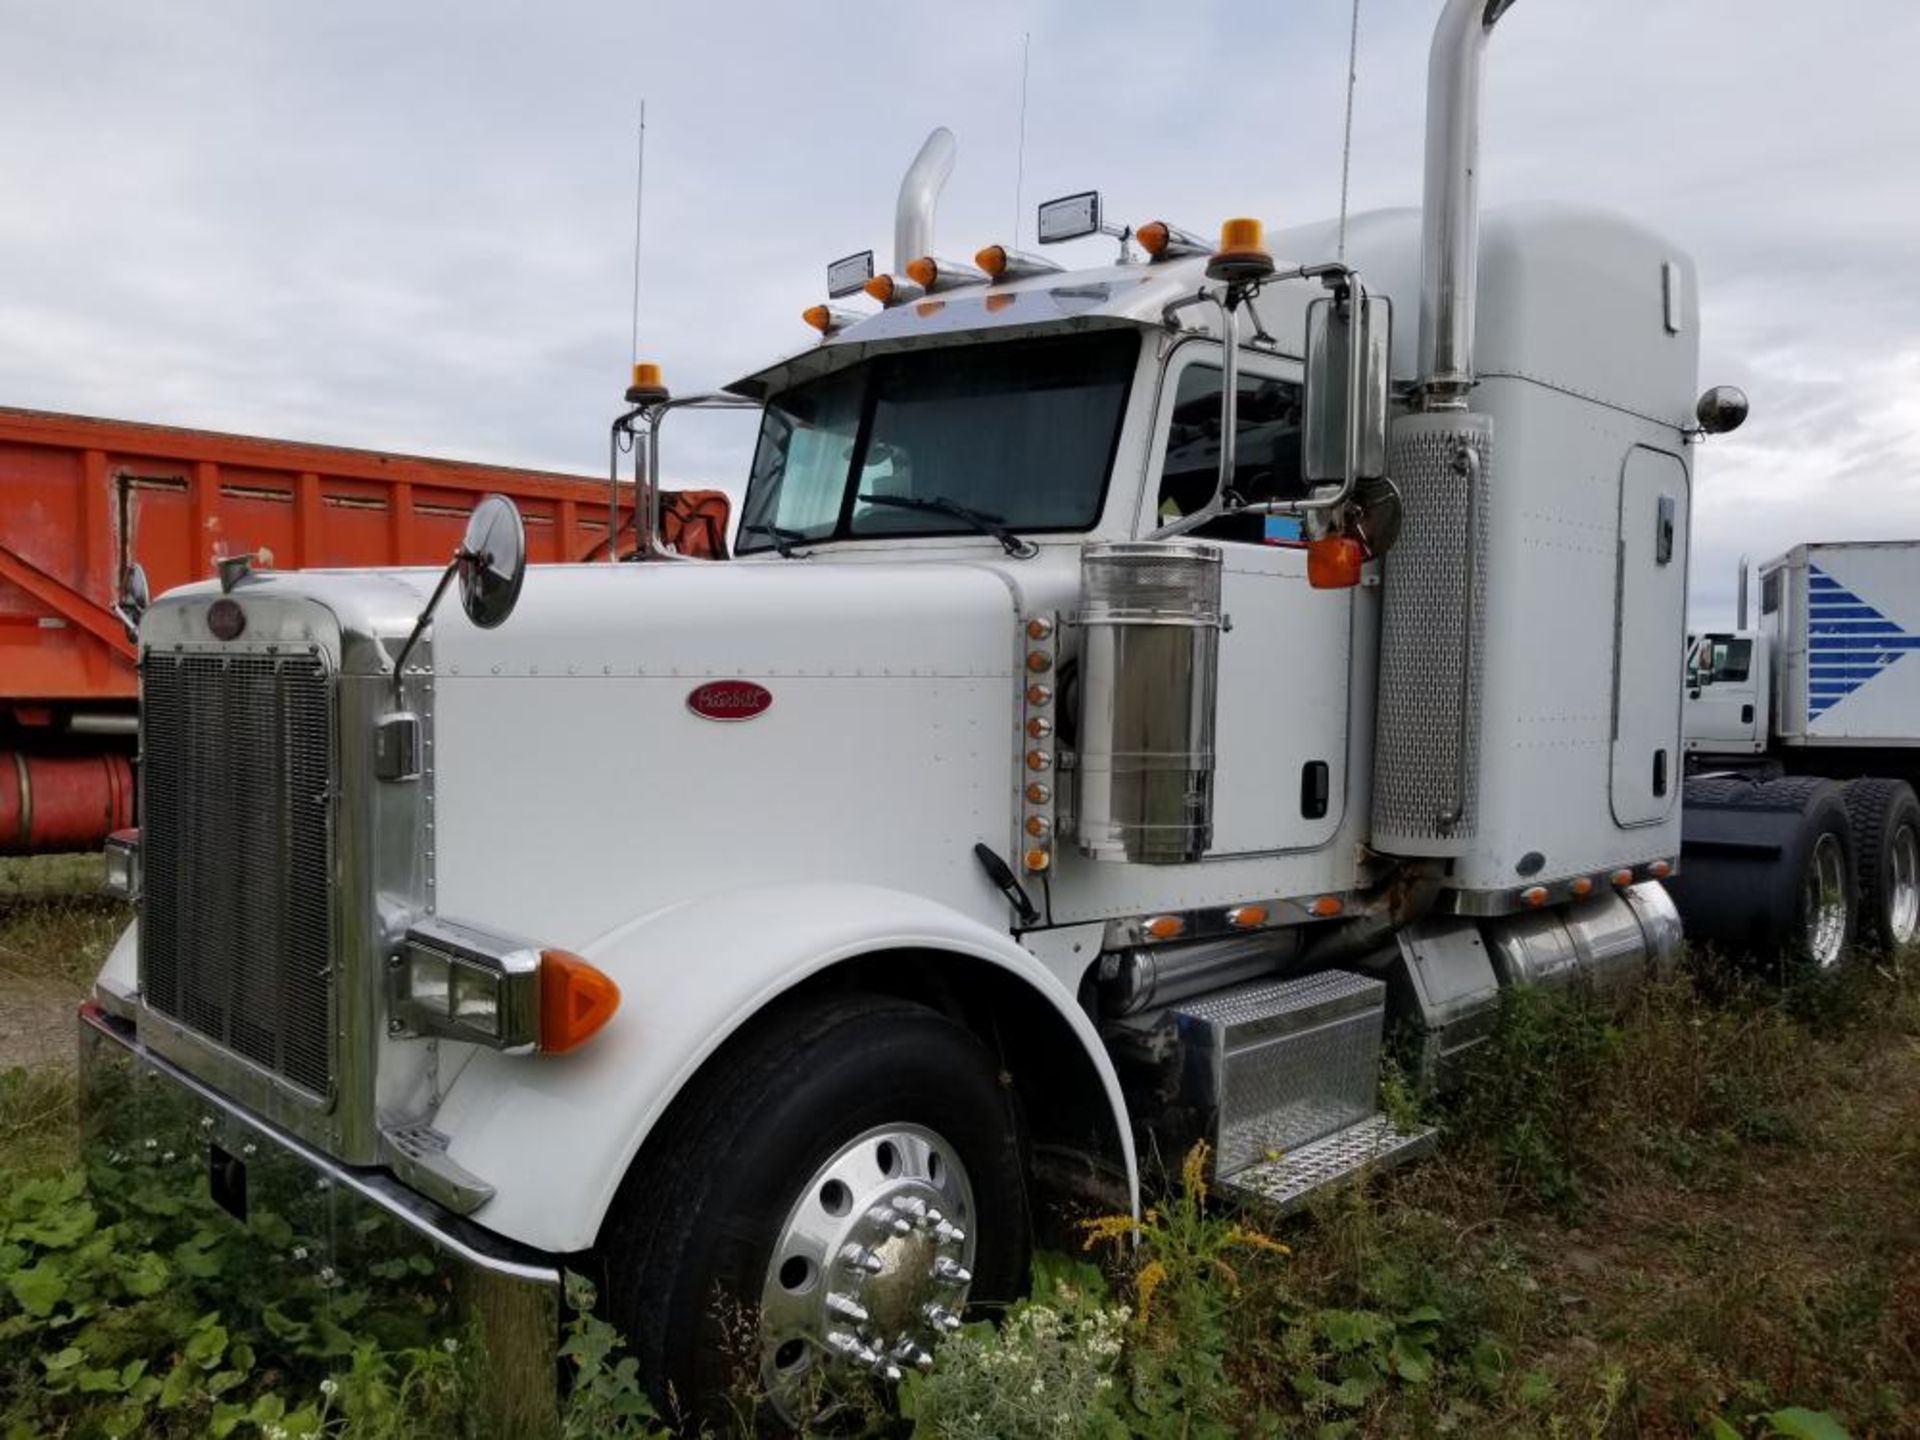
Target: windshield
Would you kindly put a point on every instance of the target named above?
(1021, 432)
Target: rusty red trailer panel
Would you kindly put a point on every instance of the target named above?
(81, 499)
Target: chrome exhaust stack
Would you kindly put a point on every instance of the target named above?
(920, 191)
(1450, 206)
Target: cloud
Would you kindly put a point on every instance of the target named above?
(410, 226)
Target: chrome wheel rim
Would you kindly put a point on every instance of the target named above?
(1903, 893)
(1824, 901)
(872, 1264)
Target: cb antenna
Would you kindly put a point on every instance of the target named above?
(1346, 139)
(639, 190)
(1020, 158)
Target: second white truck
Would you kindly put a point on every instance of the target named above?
(1803, 750)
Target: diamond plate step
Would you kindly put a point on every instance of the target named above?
(1287, 1183)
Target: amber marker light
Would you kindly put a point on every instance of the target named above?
(1623, 878)
(1165, 927)
(923, 271)
(1660, 869)
(1038, 695)
(1326, 906)
(992, 259)
(1036, 859)
(1582, 885)
(1039, 628)
(1534, 895)
(819, 317)
(881, 288)
(1153, 237)
(1039, 827)
(575, 1001)
(1245, 917)
(1038, 794)
(1039, 760)
(1334, 562)
(1039, 727)
(1039, 662)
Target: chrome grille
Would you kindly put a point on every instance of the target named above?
(235, 934)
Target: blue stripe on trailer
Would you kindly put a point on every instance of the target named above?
(1848, 642)
(1822, 610)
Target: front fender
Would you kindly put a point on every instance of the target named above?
(555, 1134)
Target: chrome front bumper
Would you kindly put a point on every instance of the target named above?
(323, 1228)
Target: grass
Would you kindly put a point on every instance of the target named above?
(1702, 1211)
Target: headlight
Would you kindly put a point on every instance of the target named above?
(505, 993)
(123, 864)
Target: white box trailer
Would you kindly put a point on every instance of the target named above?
(1813, 712)
(1843, 624)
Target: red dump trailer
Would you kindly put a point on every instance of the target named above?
(84, 500)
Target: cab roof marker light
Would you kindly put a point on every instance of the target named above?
(1162, 241)
(830, 319)
(999, 263)
(891, 290)
(932, 274)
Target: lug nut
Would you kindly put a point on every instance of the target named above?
(885, 1369)
(850, 1347)
(941, 1318)
(949, 1234)
(911, 1205)
(911, 1354)
(952, 1272)
(858, 1257)
(846, 1307)
(888, 1218)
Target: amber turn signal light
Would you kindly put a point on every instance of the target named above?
(575, 1001)
(1334, 562)
(993, 260)
(818, 316)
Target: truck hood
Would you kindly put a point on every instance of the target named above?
(576, 785)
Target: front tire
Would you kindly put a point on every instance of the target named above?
(850, 1176)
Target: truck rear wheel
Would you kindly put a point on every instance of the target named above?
(1767, 869)
(853, 1176)
(1886, 839)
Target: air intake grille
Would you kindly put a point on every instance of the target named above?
(235, 938)
(1432, 637)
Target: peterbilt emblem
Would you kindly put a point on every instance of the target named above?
(226, 619)
(729, 700)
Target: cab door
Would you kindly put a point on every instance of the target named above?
(1724, 692)
(1280, 745)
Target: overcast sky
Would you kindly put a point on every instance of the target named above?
(409, 226)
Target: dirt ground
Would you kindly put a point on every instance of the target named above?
(56, 926)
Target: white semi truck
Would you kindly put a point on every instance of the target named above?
(1803, 748)
(1137, 684)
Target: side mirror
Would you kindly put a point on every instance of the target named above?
(1340, 383)
(492, 561)
(135, 596)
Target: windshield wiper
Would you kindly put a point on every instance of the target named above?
(979, 520)
(783, 540)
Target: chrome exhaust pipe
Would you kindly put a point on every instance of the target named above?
(919, 194)
(1450, 207)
